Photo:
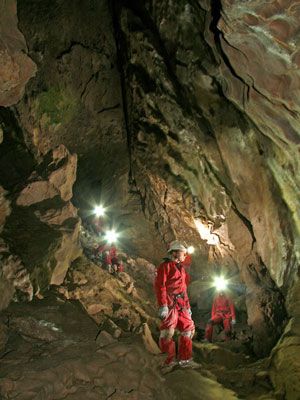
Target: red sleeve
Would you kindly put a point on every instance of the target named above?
(113, 252)
(160, 284)
(213, 309)
(187, 261)
(232, 310)
(187, 278)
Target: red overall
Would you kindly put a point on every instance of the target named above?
(98, 225)
(108, 254)
(222, 313)
(171, 291)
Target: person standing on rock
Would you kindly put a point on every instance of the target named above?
(107, 254)
(174, 306)
(222, 313)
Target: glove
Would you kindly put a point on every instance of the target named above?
(233, 322)
(163, 312)
(109, 268)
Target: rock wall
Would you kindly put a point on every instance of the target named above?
(39, 238)
(198, 151)
(41, 233)
(16, 68)
(76, 99)
(178, 111)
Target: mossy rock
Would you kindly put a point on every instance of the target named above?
(56, 106)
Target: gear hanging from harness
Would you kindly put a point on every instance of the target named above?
(176, 297)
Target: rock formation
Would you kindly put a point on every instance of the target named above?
(183, 117)
(16, 68)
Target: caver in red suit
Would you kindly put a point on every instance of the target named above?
(222, 312)
(109, 258)
(98, 225)
(172, 298)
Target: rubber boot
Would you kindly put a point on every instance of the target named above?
(168, 346)
(209, 332)
(185, 346)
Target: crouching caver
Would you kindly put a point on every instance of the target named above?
(175, 311)
(107, 254)
(222, 313)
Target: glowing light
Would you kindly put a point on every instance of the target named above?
(190, 249)
(99, 211)
(213, 239)
(220, 283)
(206, 234)
(204, 230)
(111, 236)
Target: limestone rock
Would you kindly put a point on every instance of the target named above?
(43, 228)
(197, 386)
(36, 329)
(64, 167)
(106, 299)
(57, 216)
(285, 369)
(82, 109)
(14, 280)
(112, 328)
(3, 336)
(214, 354)
(16, 68)
(211, 103)
(4, 207)
(148, 340)
(104, 339)
(36, 192)
(75, 366)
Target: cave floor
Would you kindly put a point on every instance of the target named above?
(54, 351)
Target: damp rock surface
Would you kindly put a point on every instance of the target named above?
(74, 364)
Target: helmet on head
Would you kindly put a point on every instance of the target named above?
(176, 246)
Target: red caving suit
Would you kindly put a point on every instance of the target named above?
(222, 312)
(108, 255)
(171, 290)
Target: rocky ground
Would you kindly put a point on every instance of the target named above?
(90, 338)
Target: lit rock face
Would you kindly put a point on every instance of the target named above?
(16, 68)
(259, 68)
(76, 99)
(195, 138)
(188, 139)
(210, 95)
(117, 305)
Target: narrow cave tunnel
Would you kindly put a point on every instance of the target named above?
(181, 119)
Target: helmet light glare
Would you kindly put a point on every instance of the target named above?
(99, 211)
(111, 236)
(220, 283)
(190, 249)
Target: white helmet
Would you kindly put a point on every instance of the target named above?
(175, 246)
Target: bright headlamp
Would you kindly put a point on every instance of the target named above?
(99, 211)
(220, 283)
(190, 249)
(111, 236)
